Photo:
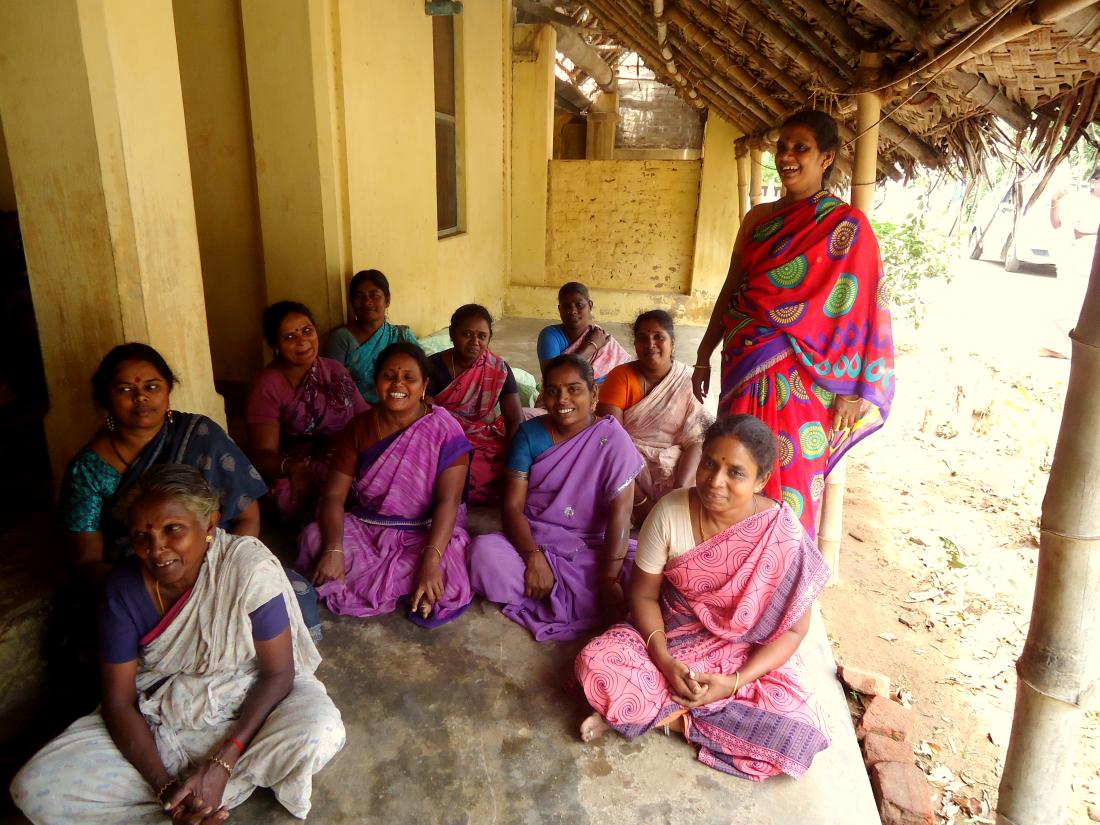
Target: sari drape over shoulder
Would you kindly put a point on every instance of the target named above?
(609, 356)
(661, 425)
(811, 321)
(744, 587)
(194, 440)
(194, 671)
(360, 362)
(386, 529)
(570, 488)
(472, 398)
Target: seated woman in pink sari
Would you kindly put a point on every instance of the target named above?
(405, 463)
(295, 406)
(477, 387)
(577, 335)
(560, 565)
(720, 600)
(652, 398)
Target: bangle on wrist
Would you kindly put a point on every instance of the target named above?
(282, 465)
(221, 763)
(237, 744)
(428, 547)
(643, 501)
(700, 366)
(163, 788)
(649, 638)
(736, 682)
(339, 550)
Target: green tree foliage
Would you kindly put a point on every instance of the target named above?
(912, 253)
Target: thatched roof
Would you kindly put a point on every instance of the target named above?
(958, 80)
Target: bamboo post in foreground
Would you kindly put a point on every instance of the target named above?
(868, 107)
(1056, 673)
(742, 185)
(756, 176)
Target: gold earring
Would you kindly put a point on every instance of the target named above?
(209, 539)
(169, 415)
(110, 423)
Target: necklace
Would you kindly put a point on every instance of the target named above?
(118, 454)
(160, 602)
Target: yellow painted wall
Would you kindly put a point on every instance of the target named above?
(7, 185)
(388, 107)
(219, 141)
(718, 218)
(532, 146)
(621, 224)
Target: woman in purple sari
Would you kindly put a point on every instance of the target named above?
(296, 405)
(560, 565)
(405, 462)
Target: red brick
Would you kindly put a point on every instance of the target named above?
(878, 748)
(903, 794)
(864, 681)
(886, 717)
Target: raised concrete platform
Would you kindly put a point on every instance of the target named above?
(476, 723)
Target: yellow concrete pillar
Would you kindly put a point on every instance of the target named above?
(532, 146)
(742, 184)
(93, 117)
(603, 121)
(297, 130)
(718, 217)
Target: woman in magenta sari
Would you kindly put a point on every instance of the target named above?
(720, 600)
(804, 320)
(477, 387)
(405, 463)
(578, 335)
(295, 406)
(560, 565)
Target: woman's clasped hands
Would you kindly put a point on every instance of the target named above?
(691, 689)
(197, 800)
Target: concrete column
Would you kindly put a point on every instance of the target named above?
(742, 184)
(864, 170)
(603, 121)
(290, 48)
(756, 176)
(93, 116)
(718, 217)
(532, 146)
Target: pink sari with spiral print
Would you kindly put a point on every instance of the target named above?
(739, 589)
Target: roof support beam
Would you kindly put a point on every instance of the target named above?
(895, 18)
(585, 58)
(978, 91)
(808, 36)
(834, 23)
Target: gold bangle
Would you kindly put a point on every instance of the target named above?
(426, 547)
(222, 763)
(700, 366)
(334, 550)
(649, 638)
(643, 501)
(736, 682)
(163, 788)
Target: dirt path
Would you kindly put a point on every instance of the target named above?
(941, 522)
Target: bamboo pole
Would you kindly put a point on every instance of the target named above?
(742, 184)
(1056, 673)
(976, 89)
(868, 107)
(807, 35)
(756, 176)
(585, 58)
(834, 23)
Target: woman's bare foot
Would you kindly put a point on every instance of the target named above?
(593, 727)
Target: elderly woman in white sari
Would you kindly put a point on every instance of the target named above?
(652, 398)
(208, 679)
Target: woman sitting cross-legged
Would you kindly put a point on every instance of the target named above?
(560, 564)
(720, 600)
(652, 398)
(358, 344)
(477, 387)
(578, 335)
(208, 679)
(405, 463)
(296, 405)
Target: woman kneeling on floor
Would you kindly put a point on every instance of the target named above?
(561, 563)
(720, 600)
(208, 685)
(405, 535)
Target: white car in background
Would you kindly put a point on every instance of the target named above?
(1003, 231)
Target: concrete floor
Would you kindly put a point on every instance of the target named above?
(476, 723)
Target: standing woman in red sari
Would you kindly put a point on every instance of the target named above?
(804, 321)
(477, 387)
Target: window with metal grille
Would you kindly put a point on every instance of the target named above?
(447, 138)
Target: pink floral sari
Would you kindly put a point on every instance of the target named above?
(472, 398)
(610, 355)
(744, 587)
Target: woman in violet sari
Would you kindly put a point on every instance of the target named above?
(295, 406)
(578, 335)
(652, 398)
(805, 322)
(208, 679)
(358, 344)
(405, 463)
(477, 387)
(560, 565)
(720, 598)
